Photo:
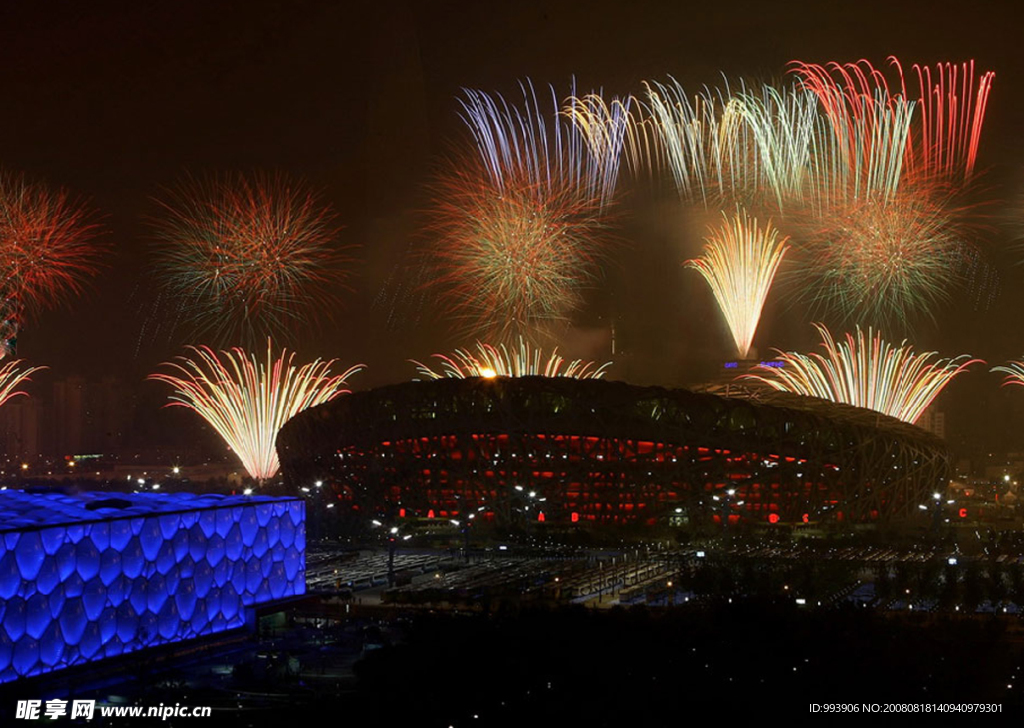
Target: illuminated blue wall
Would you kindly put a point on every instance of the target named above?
(93, 575)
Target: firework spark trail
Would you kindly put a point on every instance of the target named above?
(47, 248)
(248, 255)
(864, 159)
(604, 126)
(722, 145)
(1014, 371)
(644, 148)
(783, 124)
(844, 133)
(952, 117)
(866, 371)
(503, 361)
(866, 138)
(511, 262)
(518, 230)
(11, 376)
(943, 121)
(874, 261)
(578, 146)
(698, 139)
(247, 401)
(886, 244)
(739, 263)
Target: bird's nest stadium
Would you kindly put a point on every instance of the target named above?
(599, 454)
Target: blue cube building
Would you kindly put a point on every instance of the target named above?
(86, 576)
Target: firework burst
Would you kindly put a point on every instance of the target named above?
(248, 401)
(47, 249)
(513, 261)
(503, 361)
(866, 371)
(873, 260)
(739, 263)
(518, 229)
(248, 256)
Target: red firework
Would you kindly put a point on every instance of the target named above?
(512, 261)
(47, 249)
(948, 114)
(248, 256)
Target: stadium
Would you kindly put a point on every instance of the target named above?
(589, 453)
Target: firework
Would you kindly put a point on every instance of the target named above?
(1014, 371)
(10, 377)
(784, 126)
(548, 149)
(865, 140)
(877, 138)
(884, 261)
(739, 263)
(886, 244)
(513, 261)
(247, 401)
(701, 141)
(248, 256)
(47, 249)
(746, 145)
(952, 112)
(501, 361)
(844, 133)
(866, 371)
(604, 126)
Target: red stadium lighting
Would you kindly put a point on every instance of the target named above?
(773, 518)
(500, 447)
(963, 513)
(540, 517)
(430, 513)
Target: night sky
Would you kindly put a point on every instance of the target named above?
(116, 100)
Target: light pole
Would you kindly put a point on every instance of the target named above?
(393, 536)
(724, 503)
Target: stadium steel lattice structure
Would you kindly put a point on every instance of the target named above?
(602, 453)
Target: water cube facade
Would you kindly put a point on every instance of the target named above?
(87, 576)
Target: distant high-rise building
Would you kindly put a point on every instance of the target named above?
(89, 417)
(934, 421)
(20, 428)
(68, 415)
(108, 415)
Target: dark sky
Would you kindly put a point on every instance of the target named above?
(115, 100)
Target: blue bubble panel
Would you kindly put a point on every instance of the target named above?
(87, 576)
